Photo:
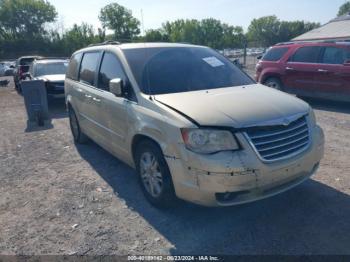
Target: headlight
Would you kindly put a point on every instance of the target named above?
(312, 117)
(208, 141)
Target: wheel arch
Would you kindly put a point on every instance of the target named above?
(137, 139)
(271, 75)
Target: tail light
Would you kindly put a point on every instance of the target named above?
(258, 67)
(20, 72)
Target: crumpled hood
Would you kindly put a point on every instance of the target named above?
(52, 78)
(239, 107)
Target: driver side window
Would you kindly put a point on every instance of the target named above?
(110, 69)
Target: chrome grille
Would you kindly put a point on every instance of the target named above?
(277, 142)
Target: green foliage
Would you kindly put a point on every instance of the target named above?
(344, 9)
(23, 30)
(269, 30)
(79, 36)
(25, 18)
(155, 35)
(119, 19)
(209, 32)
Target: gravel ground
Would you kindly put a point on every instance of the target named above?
(58, 198)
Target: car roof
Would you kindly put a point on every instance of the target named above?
(50, 61)
(125, 46)
(313, 43)
(28, 57)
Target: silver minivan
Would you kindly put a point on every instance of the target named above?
(192, 124)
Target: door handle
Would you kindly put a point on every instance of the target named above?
(88, 96)
(290, 68)
(96, 99)
(322, 71)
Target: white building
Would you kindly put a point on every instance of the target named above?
(336, 29)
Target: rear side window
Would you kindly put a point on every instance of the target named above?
(307, 54)
(335, 55)
(275, 54)
(73, 68)
(88, 68)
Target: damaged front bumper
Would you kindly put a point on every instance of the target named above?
(231, 178)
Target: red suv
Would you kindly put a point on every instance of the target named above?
(319, 69)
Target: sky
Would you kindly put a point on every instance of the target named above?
(233, 12)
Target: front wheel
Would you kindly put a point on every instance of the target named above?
(274, 83)
(154, 175)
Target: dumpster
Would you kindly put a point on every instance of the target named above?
(35, 99)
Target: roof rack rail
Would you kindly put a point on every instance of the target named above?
(52, 58)
(314, 41)
(109, 42)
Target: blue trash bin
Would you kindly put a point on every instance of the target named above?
(35, 99)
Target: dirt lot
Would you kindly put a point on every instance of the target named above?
(58, 198)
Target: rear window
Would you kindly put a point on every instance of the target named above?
(26, 61)
(88, 68)
(307, 54)
(58, 68)
(73, 68)
(275, 54)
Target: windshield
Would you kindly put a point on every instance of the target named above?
(51, 69)
(182, 69)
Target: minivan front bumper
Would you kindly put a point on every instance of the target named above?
(231, 178)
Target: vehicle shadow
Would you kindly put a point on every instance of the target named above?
(313, 218)
(57, 108)
(327, 105)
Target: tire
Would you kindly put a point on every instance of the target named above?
(18, 88)
(154, 178)
(78, 135)
(274, 83)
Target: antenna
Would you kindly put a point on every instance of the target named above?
(142, 23)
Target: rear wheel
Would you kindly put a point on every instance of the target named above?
(78, 135)
(154, 175)
(274, 83)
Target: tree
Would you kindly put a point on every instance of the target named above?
(269, 30)
(155, 35)
(25, 18)
(209, 32)
(79, 36)
(264, 30)
(119, 19)
(344, 9)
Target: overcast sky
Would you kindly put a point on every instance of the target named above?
(234, 12)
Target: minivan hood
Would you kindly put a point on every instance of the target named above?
(239, 107)
(52, 78)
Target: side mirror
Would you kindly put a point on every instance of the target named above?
(347, 63)
(116, 86)
(12, 66)
(259, 57)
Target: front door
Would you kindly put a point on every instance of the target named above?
(301, 69)
(115, 109)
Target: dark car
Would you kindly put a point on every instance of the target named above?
(311, 69)
(52, 72)
(21, 69)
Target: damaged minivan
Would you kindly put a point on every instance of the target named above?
(192, 124)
